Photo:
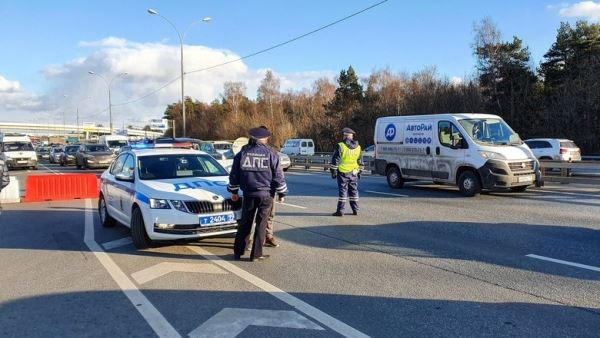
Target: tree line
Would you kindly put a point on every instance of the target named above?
(559, 98)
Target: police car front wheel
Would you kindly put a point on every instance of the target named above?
(138, 230)
(105, 218)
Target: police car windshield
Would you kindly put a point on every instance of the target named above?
(164, 167)
(490, 131)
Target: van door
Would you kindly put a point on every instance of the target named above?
(416, 155)
(303, 148)
(449, 152)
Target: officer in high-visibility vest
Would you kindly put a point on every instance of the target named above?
(346, 166)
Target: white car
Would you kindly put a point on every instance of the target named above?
(285, 161)
(554, 149)
(222, 146)
(167, 194)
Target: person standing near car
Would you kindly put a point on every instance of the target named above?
(270, 240)
(346, 164)
(257, 172)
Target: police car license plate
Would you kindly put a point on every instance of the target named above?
(528, 178)
(217, 219)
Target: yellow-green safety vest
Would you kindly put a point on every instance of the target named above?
(348, 158)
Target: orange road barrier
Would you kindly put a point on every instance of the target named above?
(40, 188)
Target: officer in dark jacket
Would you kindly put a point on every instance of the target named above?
(346, 166)
(257, 171)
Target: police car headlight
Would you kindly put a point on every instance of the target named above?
(159, 204)
(179, 205)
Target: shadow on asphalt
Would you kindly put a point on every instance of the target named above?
(503, 244)
(109, 314)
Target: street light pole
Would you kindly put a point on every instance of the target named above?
(182, 73)
(108, 85)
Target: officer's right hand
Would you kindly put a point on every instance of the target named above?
(235, 197)
(333, 173)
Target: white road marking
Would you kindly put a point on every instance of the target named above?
(161, 269)
(155, 319)
(307, 309)
(117, 243)
(553, 260)
(230, 322)
(385, 193)
(292, 205)
(52, 171)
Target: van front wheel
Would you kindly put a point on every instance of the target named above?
(468, 184)
(394, 178)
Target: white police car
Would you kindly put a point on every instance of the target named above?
(167, 194)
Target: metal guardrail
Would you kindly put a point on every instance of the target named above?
(323, 160)
(583, 172)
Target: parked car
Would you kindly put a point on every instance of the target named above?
(299, 147)
(368, 153)
(285, 161)
(93, 156)
(222, 146)
(554, 149)
(68, 157)
(55, 154)
(224, 159)
(43, 153)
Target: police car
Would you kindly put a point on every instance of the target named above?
(167, 194)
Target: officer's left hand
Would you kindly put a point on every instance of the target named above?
(359, 173)
(235, 197)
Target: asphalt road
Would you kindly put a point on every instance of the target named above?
(419, 261)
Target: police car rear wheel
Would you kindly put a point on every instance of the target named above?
(394, 178)
(138, 230)
(468, 184)
(106, 220)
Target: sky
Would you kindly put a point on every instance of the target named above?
(47, 48)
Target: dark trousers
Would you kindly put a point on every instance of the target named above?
(253, 207)
(269, 229)
(348, 191)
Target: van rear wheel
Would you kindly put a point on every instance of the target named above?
(394, 178)
(468, 184)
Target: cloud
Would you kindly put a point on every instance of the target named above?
(13, 98)
(584, 9)
(149, 66)
(7, 86)
(456, 80)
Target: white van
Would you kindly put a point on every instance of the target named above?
(299, 146)
(18, 150)
(473, 151)
(114, 142)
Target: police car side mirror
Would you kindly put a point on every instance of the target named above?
(125, 177)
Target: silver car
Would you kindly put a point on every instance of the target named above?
(285, 161)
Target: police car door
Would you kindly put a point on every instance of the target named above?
(124, 189)
(449, 152)
(110, 191)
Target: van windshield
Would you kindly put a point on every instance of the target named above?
(292, 144)
(17, 146)
(490, 131)
(116, 143)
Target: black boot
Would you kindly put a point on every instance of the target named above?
(337, 214)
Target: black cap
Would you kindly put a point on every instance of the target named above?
(259, 133)
(348, 131)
